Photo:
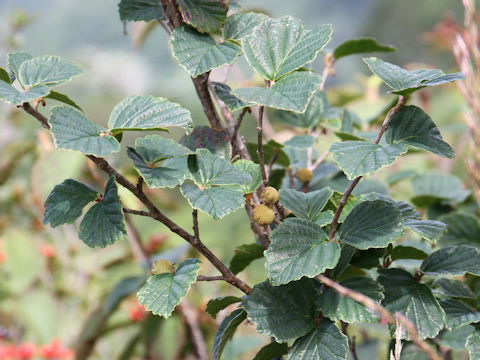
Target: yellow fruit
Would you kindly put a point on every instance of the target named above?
(162, 266)
(270, 195)
(304, 175)
(263, 215)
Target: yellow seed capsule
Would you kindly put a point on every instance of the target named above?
(263, 215)
(304, 175)
(162, 266)
(270, 195)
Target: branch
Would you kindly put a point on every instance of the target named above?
(391, 112)
(261, 159)
(210, 278)
(137, 212)
(384, 313)
(190, 319)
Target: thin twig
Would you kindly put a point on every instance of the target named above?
(190, 318)
(320, 160)
(272, 161)
(137, 212)
(343, 202)
(136, 243)
(261, 159)
(384, 313)
(210, 278)
(196, 233)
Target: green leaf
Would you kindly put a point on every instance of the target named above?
(372, 224)
(244, 255)
(463, 229)
(62, 98)
(269, 150)
(403, 82)
(155, 148)
(301, 142)
(198, 53)
(431, 188)
(214, 306)
(360, 46)
(401, 252)
(458, 313)
(208, 169)
(337, 307)
(205, 137)
(299, 248)
(325, 342)
(285, 312)
(104, 223)
(66, 201)
(240, 25)
(73, 131)
(122, 289)
(456, 339)
(226, 330)
(163, 292)
(453, 260)
(271, 351)
(357, 158)
(4, 76)
(148, 113)
(473, 346)
(224, 93)
(47, 70)
(15, 59)
(306, 206)
(168, 175)
(292, 92)
(204, 15)
(412, 126)
(11, 95)
(432, 230)
(454, 288)
(306, 120)
(280, 46)
(140, 10)
(215, 201)
(412, 299)
(249, 167)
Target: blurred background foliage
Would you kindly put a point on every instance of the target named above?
(51, 283)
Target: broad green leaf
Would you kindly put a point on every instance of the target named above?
(453, 260)
(403, 82)
(208, 169)
(271, 351)
(4, 76)
(204, 15)
(140, 10)
(226, 330)
(412, 299)
(15, 59)
(253, 169)
(215, 201)
(412, 126)
(367, 259)
(285, 312)
(292, 92)
(372, 224)
(360, 46)
(431, 188)
(463, 229)
(473, 346)
(357, 158)
(325, 342)
(148, 113)
(104, 223)
(299, 248)
(400, 176)
(71, 130)
(458, 313)
(401, 252)
(163, 292)
(47, 70)
(337, 307)
(456, 339)
(432, 230)
(301, 141)
(62, 98)
(11, 95)
(324, 218)
(198, 53)
(306, 120)
(224, 93)
(169, 174)
(454, 288)
(334, 201)
(155, 148)
(306, 206)
(205, 137)
(66, 201)
(280, 46)
(244, 255)
(214, 306)
(269, 150)
(240, 25)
